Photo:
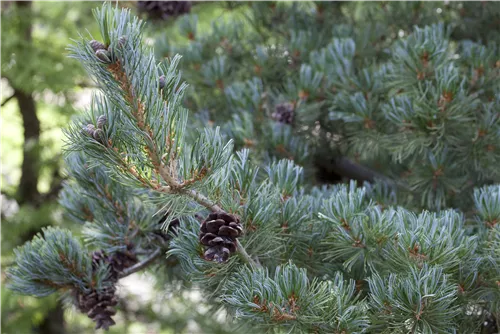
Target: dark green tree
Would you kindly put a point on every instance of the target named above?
(354, 90)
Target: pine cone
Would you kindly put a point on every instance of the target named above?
(99, 306)
(101, 121)
(98, 257)
(164, 10)
(162, 82)
(97, 134)
(104, 56)
(283, 113)
(219, 232)
(121, 261)
(89, 129)
(118, 261)
(96, 45)
(122, 41)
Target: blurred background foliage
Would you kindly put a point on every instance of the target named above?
(39, 89)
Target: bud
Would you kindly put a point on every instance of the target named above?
(98, 135)
(96, 45)
(122, 41)
(101, 121)
(162, 82)
(103, 56)
(89, 129)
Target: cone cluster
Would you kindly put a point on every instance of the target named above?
(164, 10)
(218, 233)
(102, 52)
(97, 133)
(283, 113)
(99, 304)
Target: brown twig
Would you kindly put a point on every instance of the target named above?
(7, 100)
(161, 169)
(202, 200)
(141, 265)
(352, 170)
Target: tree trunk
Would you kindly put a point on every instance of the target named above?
(28, 185)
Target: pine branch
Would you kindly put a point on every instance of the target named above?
(141, 265)
(4, 102)
(352, 170)
(244, 255)
(51, 261)
(173, 186)
(147, 143)
(203, 200)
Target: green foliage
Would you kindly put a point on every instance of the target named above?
(51, 262)
(421, 301)
(290, 298)
(24, 313)
(414, 103)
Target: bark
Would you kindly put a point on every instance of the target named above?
(337, 169)
(28, 185)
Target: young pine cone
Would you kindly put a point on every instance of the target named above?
(97, 134)
(219, 232)
(101, 121)
(283, 113)
(162, 82)
(96, 45)
(104, 56)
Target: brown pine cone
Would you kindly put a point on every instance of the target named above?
(120, 261)
(219, 232)
(97, 258)
(98, 306)
(283, 113)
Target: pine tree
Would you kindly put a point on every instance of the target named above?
(405, 92)
(283, 255)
